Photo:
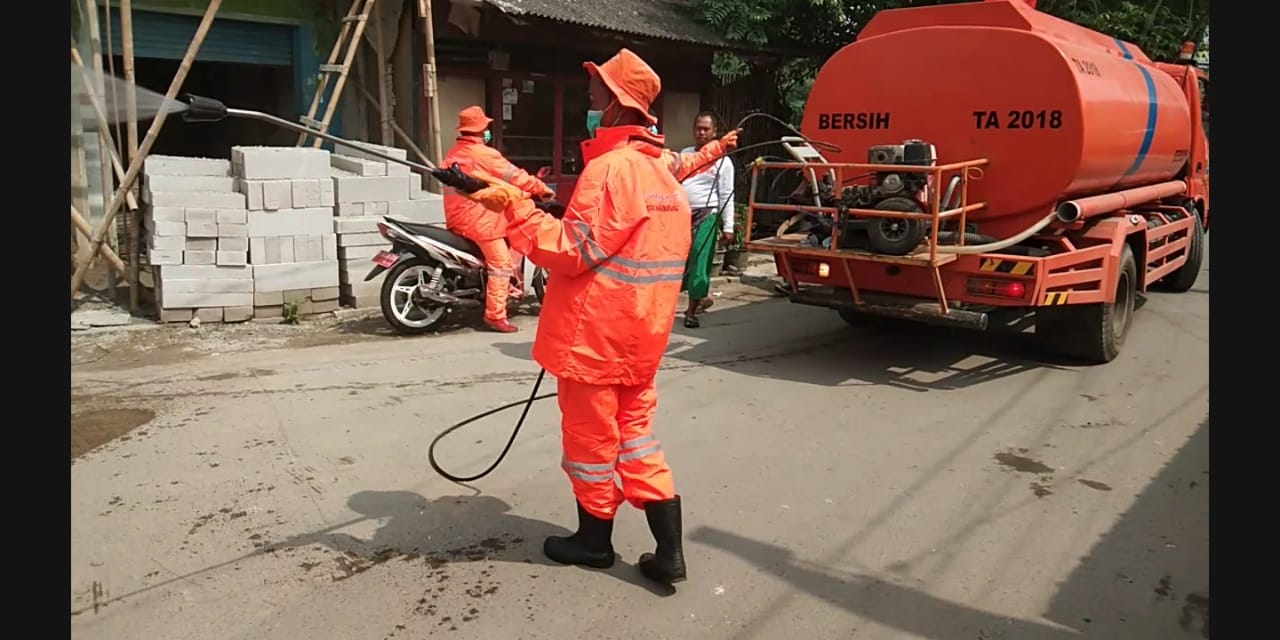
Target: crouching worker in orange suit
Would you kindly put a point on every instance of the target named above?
(469, 219)
(616, 260)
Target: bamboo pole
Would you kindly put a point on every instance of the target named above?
(135, 166)
(83, 227)
(431, 88)
(381, 66)
(104, 162)
(131, 132)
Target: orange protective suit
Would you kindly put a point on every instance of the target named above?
(616, 261)
(471, 220)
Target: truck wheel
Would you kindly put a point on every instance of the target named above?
(1093, 332)
(1185, 277)
(895, 236)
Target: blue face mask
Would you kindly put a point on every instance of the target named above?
(593, 121)
(487, 136)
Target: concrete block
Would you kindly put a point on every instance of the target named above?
(287, 252)
(233, 229)
(202, 244)
(306, 193)
(356, 224)
(182, 166)
(297, 296)
(351, 253)
(324, 306)
(302, 249)
(168, 243)
(232, 258)
(397, 169)
(159, 257)
(189, 272)
(237, 314)
(196, 200)
(315, 247)
(359, 149)
(167, 214)
(358, 189)
(297, 275)
(176, 315)
(359, 166)
(232, 216)
(361, 239)
(329, 246)
(200, 257)
(268, 298)
(257, 250)
(349, 209)
(201, 215)
(325, 293)
(290, 222)
(377, 208)
(423, 194)
(268, 312)
(167, 228)
(208, 314)
(202, 230)
(252, 189)
(224, 184)
(235, 243)
(426, 211)
(277, 194)
(206, 300)
(274, 163)
(326, 192)
(207, 285)
(271, 253)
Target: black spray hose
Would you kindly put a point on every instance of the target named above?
(537, 384)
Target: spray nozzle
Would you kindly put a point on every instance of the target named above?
(200, 109)
(454, 177)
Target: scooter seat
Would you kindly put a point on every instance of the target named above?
(443, 236)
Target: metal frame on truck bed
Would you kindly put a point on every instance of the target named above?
(1079, 271)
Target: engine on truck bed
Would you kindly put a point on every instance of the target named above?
(900, 191)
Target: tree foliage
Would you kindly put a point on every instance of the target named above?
(814, 29)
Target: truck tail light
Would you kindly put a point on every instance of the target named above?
(824, 270)
(997, 288)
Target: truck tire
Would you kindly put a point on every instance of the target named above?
(1093, 332)
(1184, 278)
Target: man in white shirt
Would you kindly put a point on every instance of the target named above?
(710, 193)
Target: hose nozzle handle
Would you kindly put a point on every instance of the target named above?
(200, 109)
(454, 177)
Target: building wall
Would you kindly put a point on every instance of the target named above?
(457, 93)
(676, 119)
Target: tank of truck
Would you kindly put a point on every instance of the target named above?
(1060, 111)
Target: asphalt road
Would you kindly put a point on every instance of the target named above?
(875, 483)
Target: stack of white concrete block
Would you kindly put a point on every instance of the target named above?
(197, 235)
(292, 245)
(366, 188)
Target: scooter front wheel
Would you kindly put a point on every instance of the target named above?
(404, 308)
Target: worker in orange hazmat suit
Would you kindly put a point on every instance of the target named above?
(469, 219)
(616, 261)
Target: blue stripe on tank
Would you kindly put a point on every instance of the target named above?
(1153, 111)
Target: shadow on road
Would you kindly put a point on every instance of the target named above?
(417, 529)
(1148, 576)
(902, 608)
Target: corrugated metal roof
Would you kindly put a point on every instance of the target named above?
(662, 19)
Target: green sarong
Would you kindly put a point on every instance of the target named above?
(697, 267)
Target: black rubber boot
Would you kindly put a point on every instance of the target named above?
(666, 564)
(590, 546)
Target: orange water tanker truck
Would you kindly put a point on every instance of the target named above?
(993, 158)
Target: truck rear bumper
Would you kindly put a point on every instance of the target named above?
(891, 306)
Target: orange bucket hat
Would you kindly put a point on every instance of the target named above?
(473, 120)
(633, 82)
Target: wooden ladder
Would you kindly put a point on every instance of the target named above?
(353, 25)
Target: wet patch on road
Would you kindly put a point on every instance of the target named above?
(1016, 460)
(1196, 608)
(94, 428)
(1094, 484)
